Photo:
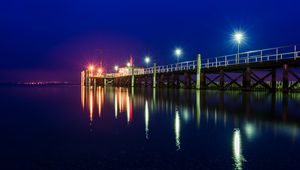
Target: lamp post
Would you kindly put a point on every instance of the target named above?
(99, 71)
(147, 60)
(178, 53)
(238, 37)
(116, 68)
(91, 69)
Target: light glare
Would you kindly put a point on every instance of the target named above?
(91, 67)
(178, 52)
(147, 59)
(116, 68)
(238, 37)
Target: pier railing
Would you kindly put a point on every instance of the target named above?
(255, 56)
(264, 55)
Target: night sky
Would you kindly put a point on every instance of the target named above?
(55, 39)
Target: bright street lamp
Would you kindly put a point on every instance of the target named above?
(238, 37)
(100, 71)
(91, 68)
(178, 53)
(147, 60)
(116, 68)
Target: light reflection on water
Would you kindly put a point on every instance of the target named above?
(238, 157)
(114, 128)
(252, 113)
(177, 129)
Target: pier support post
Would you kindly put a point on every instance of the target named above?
(95, 82)
(285, 105)
(167, 80)
(285, 79)
(89, 81)
(203, 80)
(222, 81)
(82, 78)
(177, 80)
(187, 80)
(273, 80)
(104, 82)
(154, 76)
(198, 85)
(161, 80)
(247, 79)
(87, 78)
(132, 76)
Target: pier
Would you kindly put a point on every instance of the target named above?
(273, 69)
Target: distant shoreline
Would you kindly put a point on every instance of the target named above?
(39, 84)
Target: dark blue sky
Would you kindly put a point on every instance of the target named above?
(55, 39)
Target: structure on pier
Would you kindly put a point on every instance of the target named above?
(268, 69)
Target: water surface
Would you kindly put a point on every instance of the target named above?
(73, 127)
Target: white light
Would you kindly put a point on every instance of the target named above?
(116, 68)
(178, 52)
(146, 119)
(128, 64)
(237, 150)
(91, 67)
(249, 130)
(177, 129)
(238, 37)
(147, 59)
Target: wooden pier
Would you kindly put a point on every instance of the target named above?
(268, 69)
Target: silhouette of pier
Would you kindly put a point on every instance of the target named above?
(270, 69)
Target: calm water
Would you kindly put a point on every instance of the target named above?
(72, 127)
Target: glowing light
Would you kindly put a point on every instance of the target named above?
(99, 101)
(91, 105)
(178, 52)
(177, 129)
(116, 105)
(237, 150)
(198, 108)
(186, 115)
(147, 59)
(100, 70)
(238, 37)
(249, 130)
(82, 96)
(128, 64)
(91, 68)
(146, 120)
(116, 68)
(129, 109)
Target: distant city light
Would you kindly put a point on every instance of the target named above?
(116, 68)
(128, 64)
